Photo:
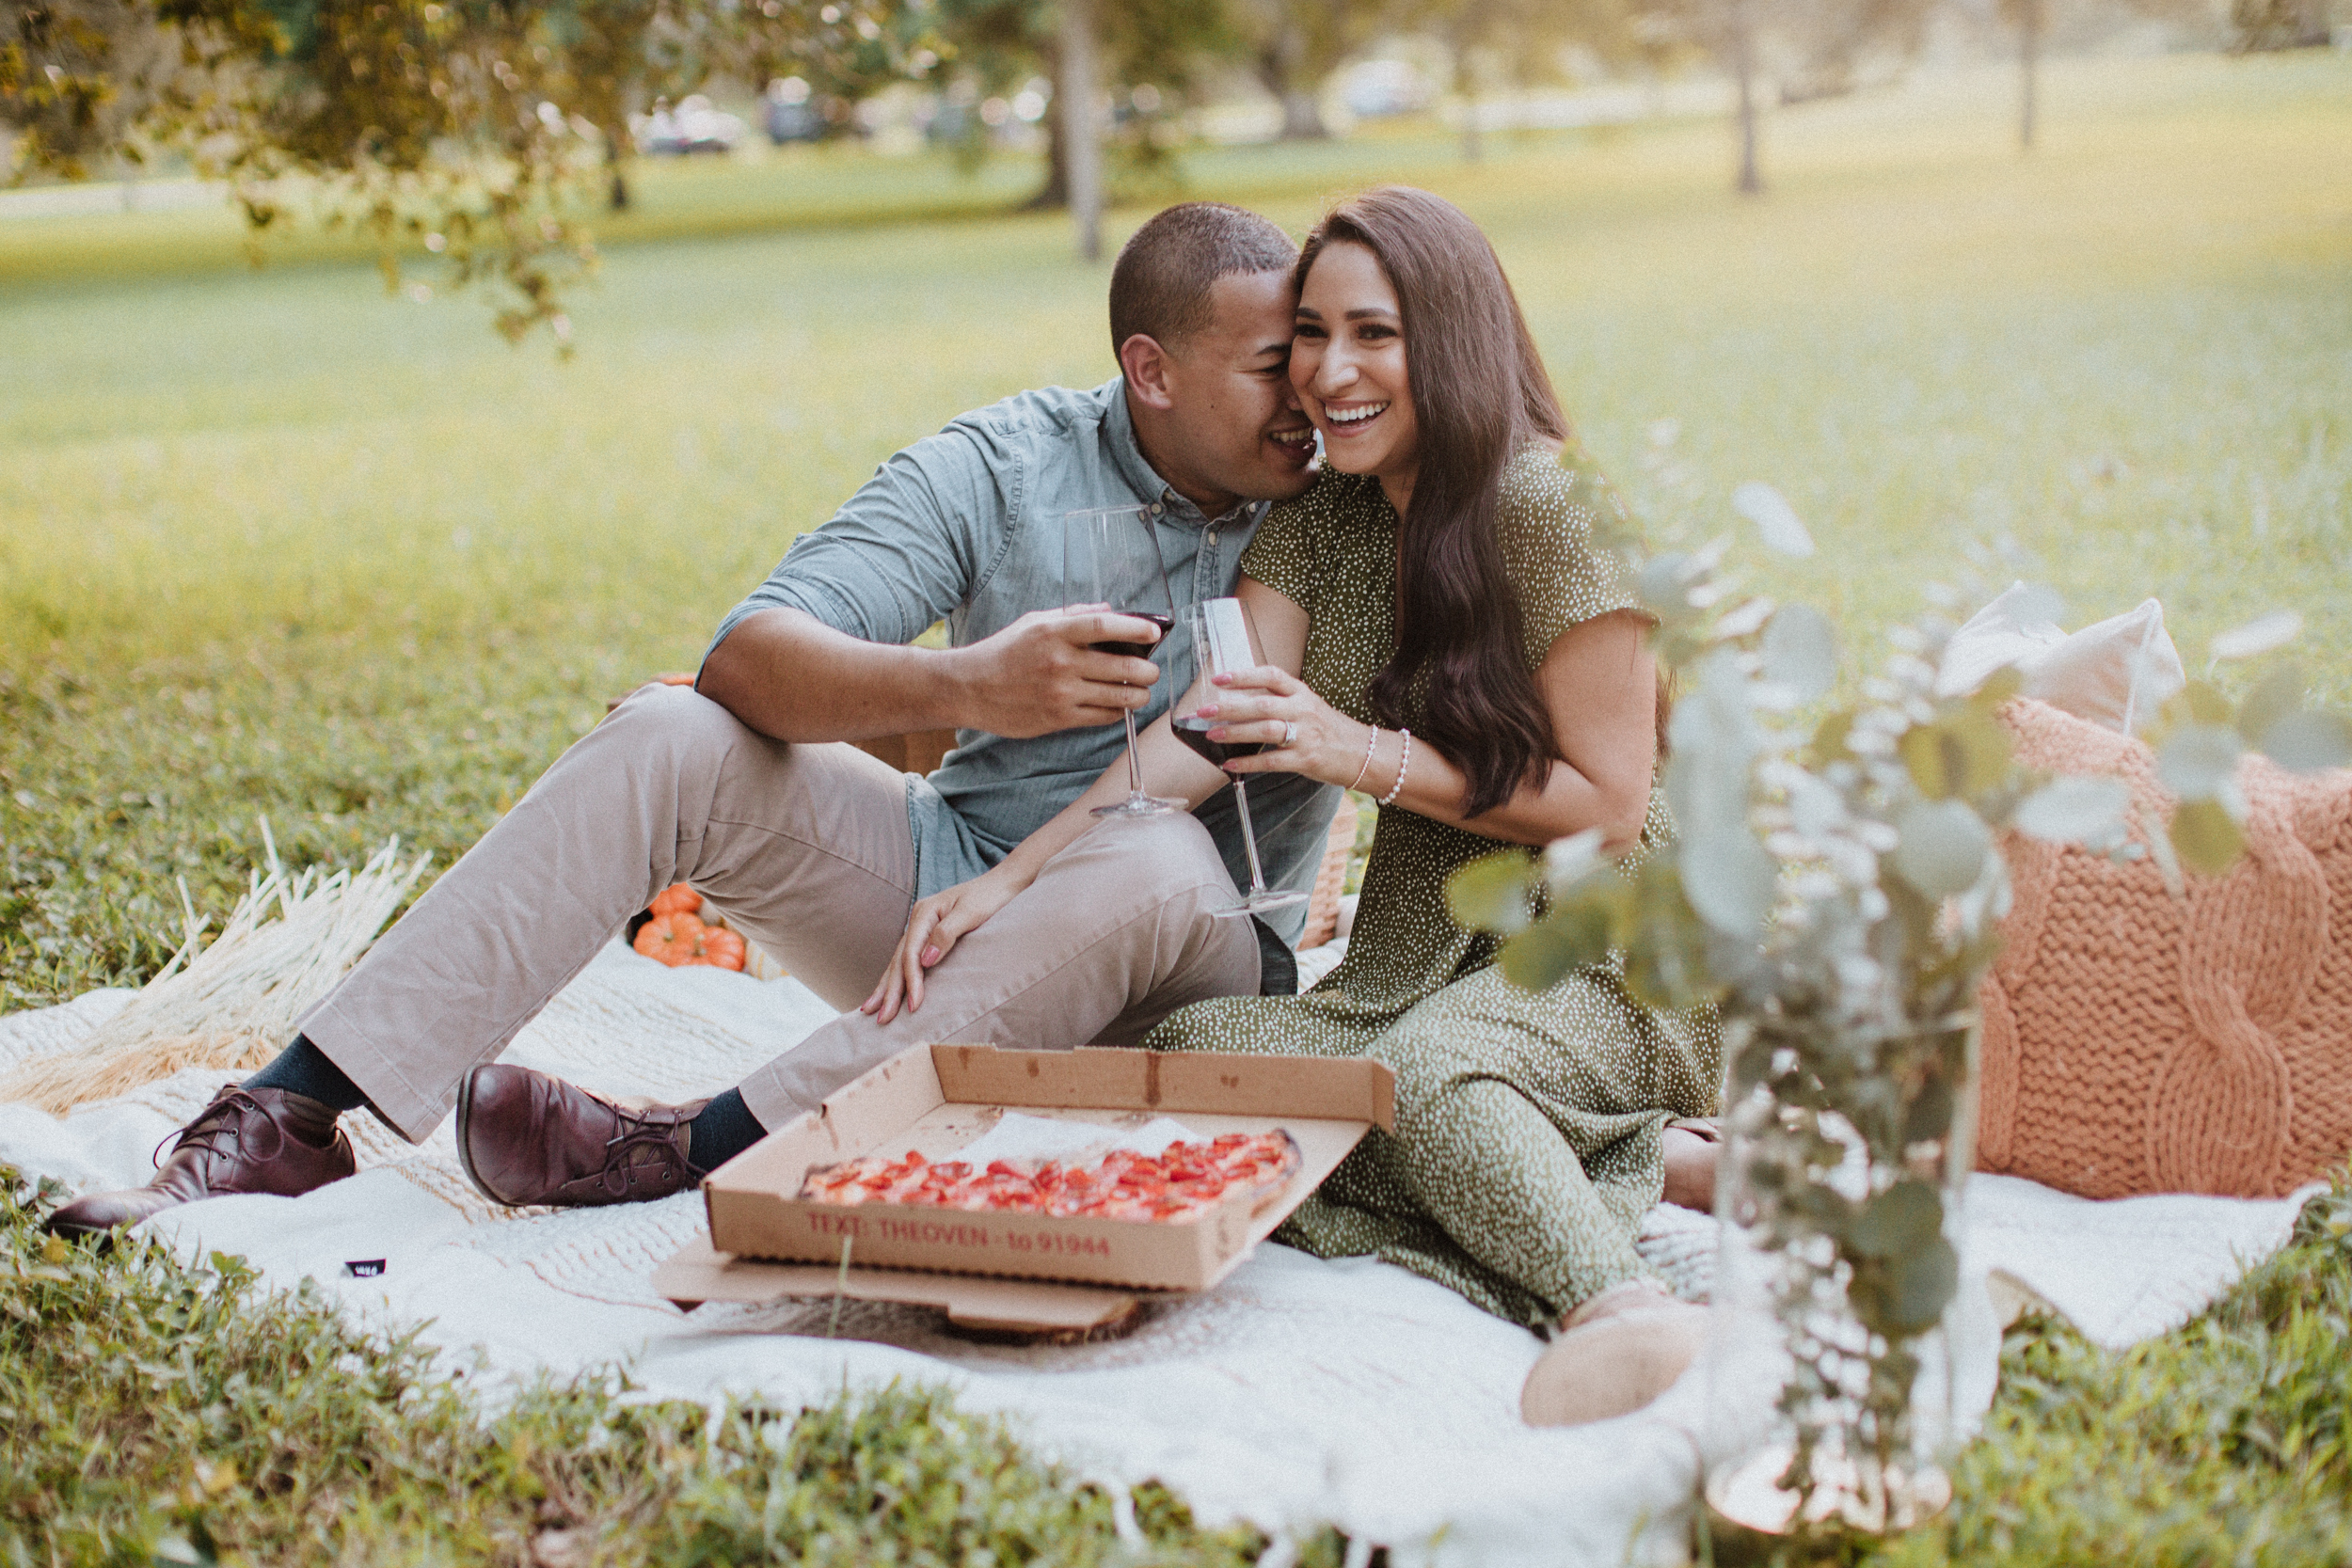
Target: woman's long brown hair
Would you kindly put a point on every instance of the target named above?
(1479, 391)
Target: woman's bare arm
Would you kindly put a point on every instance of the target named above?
(1597, 682)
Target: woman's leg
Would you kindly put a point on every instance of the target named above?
(1481, 1149)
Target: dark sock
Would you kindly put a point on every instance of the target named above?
(725, 1129)
(303, 1069)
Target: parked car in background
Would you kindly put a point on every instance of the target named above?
(1371, 89)
(694, 126)
(788, 113)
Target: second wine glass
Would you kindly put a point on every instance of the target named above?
(1112, 557)
(1225, 642)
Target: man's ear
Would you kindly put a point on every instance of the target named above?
(1145, 364)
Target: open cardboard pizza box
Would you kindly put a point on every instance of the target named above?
(1016, 1273)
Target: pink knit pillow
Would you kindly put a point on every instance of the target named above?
(2137, 1042)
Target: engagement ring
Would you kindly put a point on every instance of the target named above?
(1290, 734)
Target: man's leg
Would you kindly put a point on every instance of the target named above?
(808, 846)
(670, 788)
(1113, 935)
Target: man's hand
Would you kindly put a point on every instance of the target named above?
(1040, 674)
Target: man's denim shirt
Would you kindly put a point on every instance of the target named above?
(966, 526)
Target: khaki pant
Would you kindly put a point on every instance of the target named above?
(807, 850)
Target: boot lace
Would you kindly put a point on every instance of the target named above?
(621, 1169)
(225, 1116)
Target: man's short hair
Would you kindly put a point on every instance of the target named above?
(1160, 284)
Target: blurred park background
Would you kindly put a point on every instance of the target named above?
(284, 540)
(385, 385)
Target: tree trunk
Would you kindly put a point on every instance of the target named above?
(1055, 193)
(2028, 70)
(616, 190)
(1302, 117)
(1286, 72)
(1082, 146)
(1743, 67)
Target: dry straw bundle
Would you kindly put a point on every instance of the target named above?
(233, 1004)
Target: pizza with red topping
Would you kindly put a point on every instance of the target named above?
(1183, 1181)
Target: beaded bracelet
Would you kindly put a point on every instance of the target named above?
(1404, 760)
(1369, 744)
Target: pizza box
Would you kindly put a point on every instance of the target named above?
(767, 1244)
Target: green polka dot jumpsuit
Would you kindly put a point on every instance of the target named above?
(1528, 1139)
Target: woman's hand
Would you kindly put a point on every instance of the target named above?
(1303, 734)
(933, 928)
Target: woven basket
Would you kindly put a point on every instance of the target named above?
(1323, 905)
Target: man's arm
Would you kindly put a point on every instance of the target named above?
(789, 675)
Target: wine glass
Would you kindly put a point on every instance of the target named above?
(1113, 554)
(1225, 642)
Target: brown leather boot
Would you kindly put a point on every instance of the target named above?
(1614, 1355)
(245, 1141)
(528, 1138)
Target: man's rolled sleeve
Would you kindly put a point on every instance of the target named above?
(902, 552)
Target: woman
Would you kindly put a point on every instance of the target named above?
(1441, 631)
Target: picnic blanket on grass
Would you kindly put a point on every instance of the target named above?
(1299, 1393)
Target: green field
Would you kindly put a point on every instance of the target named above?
(277, 544)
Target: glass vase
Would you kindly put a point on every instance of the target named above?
(1834, 1392)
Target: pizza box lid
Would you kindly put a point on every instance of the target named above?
(936, 1099)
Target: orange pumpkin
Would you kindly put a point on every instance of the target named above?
(681, 939)
(670, 938)
(719, 948)
(678, 898)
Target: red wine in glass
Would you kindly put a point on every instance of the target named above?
(1195, 734)
(1225, 642)
(1111, 555)
(1138, 650)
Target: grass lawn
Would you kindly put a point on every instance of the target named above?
(276, 544)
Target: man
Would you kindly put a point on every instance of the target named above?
(744, 787)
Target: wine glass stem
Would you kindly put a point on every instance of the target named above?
(1248, 838)
(1135, 764)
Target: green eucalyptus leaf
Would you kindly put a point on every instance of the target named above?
(1928, 1117)
(1801, 652)
(1963, 754)
(1664, 584)
(1557, 946)
(1919, 1286)
(1664, 941)
(1942, 847)
(1775, 520)
(2197, 763)
(2206, 838)
(1729, 879)
(1900, 1220)
(2198, 702)
(2309, 742)
(1492, 893)
(1997, 687)
(2273, 697)
(1829, 739)
(2075, 810)
(2259, 636)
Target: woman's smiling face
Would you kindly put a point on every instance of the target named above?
(1347, 361)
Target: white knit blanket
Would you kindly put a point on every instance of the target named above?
(1297, 1393)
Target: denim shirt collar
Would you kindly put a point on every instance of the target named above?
(1118, 435)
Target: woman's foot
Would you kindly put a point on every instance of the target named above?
(1692, 1146)
(1613, 1354)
